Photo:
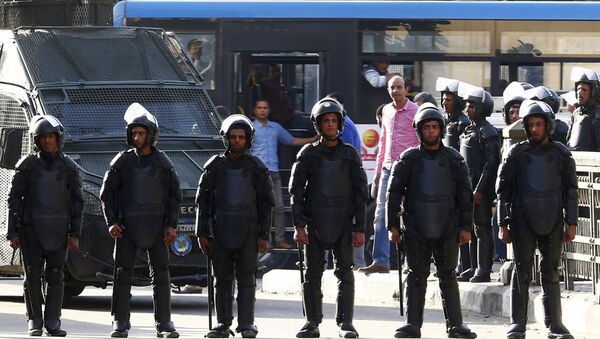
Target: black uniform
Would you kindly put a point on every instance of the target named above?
(141, 193)
(455, 127)
(534, 187)
(584, 133)
(437, 204)
(480, 147)
(560, 132)
(45, 208)
(328, 188)
(235, 200)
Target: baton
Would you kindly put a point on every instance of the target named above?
(301, 262)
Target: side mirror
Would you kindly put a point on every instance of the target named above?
(11, 142)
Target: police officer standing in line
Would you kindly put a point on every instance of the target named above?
(432, 182)
(235, 201)
(584, 133)
(456, 123)
(44, 218)
(480, 147)
(328, 188)
(513, 96)
(537, 193)
(140, 198)
(550, 97)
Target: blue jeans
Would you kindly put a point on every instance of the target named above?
(381, 243)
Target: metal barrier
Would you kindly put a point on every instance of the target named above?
(581, 258)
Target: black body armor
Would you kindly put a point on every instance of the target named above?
(455, 126)
(584, 134)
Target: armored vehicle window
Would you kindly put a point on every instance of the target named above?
(100, 54)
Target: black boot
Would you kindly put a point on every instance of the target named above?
(248, 331)
(120, 329)
(309, 330)
(485, 255)
(516, 331)
(53, 328)
(166, 330)
(220, 331)
(553, 312)
(466, 275)
(408, 331)
(461, 331)
(34, 327)
(347, 330)
(455, 327)
(465, 259)
(345, 299)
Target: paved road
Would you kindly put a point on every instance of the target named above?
(278, 316)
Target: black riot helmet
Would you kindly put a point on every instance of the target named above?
(513, 94)
(482, 99)
(324, 106)
(446, 85)
(237, 121)
(424, 97)
(532, 108)
(545, 94)
(42, 124)
(137, 116)
(428, 112)
(587, 76)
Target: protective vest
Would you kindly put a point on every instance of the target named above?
(142, 204)
(329, 200)
(472, 150)
(235, 212)
(582, 134)
(541, 192)
(431, 193)
(47, 204)
(454, 129)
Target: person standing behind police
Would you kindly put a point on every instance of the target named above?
(397, 135)
(550, 97)
(537, 193)
(141, 198)
(584, 133)
(45, 225)
(268, 134)
(432, 182)
(480, 147)
(235, 201)
(328, 189)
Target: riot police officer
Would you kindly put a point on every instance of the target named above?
(140, 198)
(513, 96)
(328, 188)
(235, 200)
(480, 147)
(550, 97)
(584, 133)
(45, 208)
(453, 105)
(432, 182)
(537, 193)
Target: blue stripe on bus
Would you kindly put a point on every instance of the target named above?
(430, 10)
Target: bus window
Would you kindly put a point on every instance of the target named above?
(201, 51)
(472, 72)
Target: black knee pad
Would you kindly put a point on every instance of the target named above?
(483, 232)
(345, 275)
(246, 280)
(446, 278)
(54, 274)
(524, 272)
(550, 277)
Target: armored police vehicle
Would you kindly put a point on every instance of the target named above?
(86, 78)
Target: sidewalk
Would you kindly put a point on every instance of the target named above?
(580, 312)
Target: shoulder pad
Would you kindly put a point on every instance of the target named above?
(351, 153)
(306, 150)
(410, 153)
(257, 162)
(463, 119)
(164, 160)
(561, 126)
(517, 149)
(119, 160)
(489, 131)
(25, 162)
(453, 154)
(561, 148)
(212, 161)
(70, 163)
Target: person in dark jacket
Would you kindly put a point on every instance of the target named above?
(328, 189)
(44, 218)
(537, 196)
(584, 133)
(141, 198)
(431, 181)
(235, 200)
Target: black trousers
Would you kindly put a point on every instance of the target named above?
(34, 260)
(242, 264)
(125, 254)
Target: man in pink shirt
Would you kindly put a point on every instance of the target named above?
(397, 134)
